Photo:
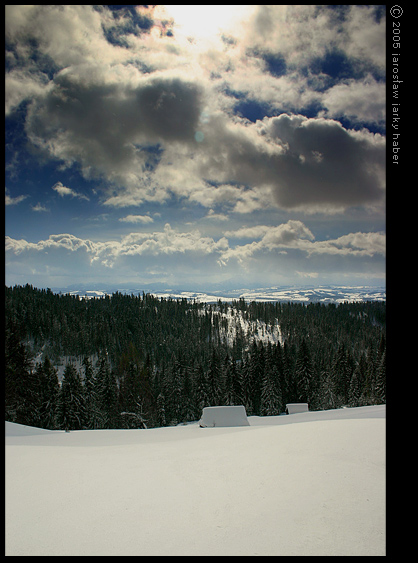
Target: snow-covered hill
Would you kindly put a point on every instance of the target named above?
(309, 294)
(305, 484)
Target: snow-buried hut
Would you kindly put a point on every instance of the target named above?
(293, 408)
(224, 416)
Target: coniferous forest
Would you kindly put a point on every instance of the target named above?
(135, 361)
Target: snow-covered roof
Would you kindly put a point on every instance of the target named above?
(224, 416)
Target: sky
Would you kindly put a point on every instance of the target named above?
(195, 146)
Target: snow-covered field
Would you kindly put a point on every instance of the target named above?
(304, 484)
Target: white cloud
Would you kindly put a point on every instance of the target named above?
(170, 241)
(364, 35)
(303, 33)
(287, 235)
(166, 242)
(294, 235)
(18, 246)
(137, 219)
(216, 216)
(9, 200)
(290, 235)
(64, 191)
(39, 208)
(22, 85)
(362, 244)
(255, 232)
(310, 275)
(360, 100)
(67, 34)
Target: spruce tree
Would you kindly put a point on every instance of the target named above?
(304, 373)
(357, 384)
(277, 358)
(107, 394)
(228, 377)
(236, 375)
(342, 371)
(21, 385)
(369, 392)
(214, 379)
(71, 406)
(257, 367)
(246, 389)
(187, 410)
(161, 420)
(90, 395)
(289, 382)
(129, 379)
(174, 391)
(48, 394)
(145, 390)
(271, 396)
(380, 392)
(328, 395)
(271, 401)
(201, 390)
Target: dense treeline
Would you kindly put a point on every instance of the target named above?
(154, 361)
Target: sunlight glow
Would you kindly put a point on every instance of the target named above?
(205, 22)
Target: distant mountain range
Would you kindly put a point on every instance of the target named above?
(308, 294)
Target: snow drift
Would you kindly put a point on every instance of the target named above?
(224, 416)
(308, 484)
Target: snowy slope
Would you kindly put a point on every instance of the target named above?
(303, 484)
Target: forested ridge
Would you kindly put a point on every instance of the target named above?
(148, 361)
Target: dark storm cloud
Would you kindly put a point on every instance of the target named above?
(105, 124)
(325, 164)
(309, 164)
(170, 109)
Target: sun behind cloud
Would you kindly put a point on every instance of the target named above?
(202, 22)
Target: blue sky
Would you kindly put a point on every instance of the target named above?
(195, 146)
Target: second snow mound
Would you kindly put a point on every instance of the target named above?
(224, 416)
